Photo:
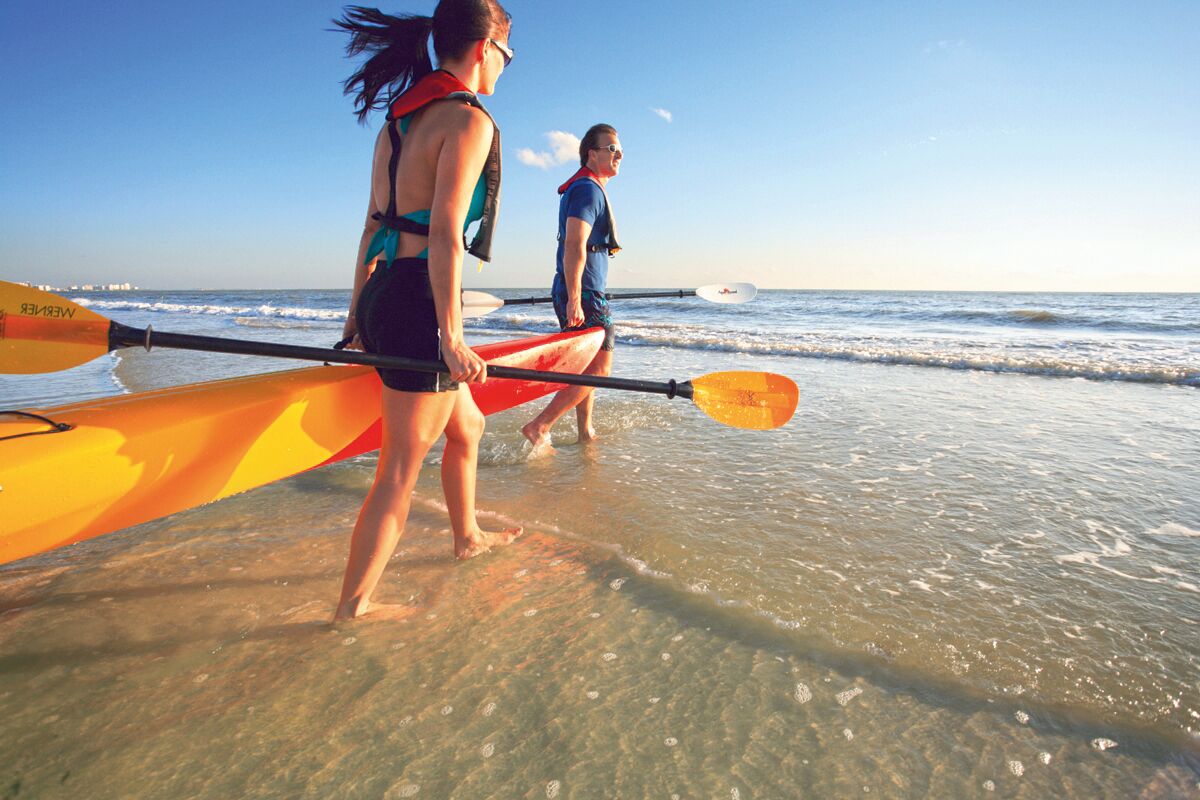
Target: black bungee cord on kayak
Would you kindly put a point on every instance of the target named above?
(55, 427)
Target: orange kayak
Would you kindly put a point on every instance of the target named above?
(132, 458)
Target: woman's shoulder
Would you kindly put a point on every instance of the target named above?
(458, 113)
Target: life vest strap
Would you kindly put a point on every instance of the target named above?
(403, 224)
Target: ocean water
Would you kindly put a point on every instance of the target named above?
(967, 568)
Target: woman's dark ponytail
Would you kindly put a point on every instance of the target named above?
(399, 55)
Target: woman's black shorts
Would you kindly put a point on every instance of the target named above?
(396, 317)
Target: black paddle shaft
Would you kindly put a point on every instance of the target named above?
(124, 336)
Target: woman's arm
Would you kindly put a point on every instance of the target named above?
(361, 271)
(460, 162)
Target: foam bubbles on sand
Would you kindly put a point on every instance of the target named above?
(849, 734)
(670, 741)
(609, 657)
(1022, 717)
(616, 584)
(1016, 768)
(1044, 757)
(553, 788)
(489, 709)
(845, 697)
(488, 750)
(802, 694)
(989, 786)
(447, 710)
(1103, 744)
(593, 695)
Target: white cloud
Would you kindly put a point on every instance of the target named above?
(662, 112)
(564, 148)
(532, 159)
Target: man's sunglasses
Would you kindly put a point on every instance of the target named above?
(504, 51)
(612, 148)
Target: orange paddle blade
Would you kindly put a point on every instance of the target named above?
(753, 400)
(42, 332)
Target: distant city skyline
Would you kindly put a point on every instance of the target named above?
(82, 287)
(1013, 147)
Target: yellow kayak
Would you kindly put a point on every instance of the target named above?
(82, 470)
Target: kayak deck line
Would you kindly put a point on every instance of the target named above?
(39, 425)
(132, 458)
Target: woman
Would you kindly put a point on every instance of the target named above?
(436, 170)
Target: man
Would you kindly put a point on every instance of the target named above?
(587, 236)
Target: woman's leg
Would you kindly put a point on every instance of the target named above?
(412, 422)
(459, 463)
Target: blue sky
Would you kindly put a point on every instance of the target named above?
(977, 146)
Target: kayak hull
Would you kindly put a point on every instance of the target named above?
(133, 458)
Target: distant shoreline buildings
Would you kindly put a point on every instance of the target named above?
(85, 287)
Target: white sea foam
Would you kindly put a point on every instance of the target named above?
(1093, 362)
(217, 310)
(1174, 529)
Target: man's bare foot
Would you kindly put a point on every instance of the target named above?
(480, 542)
(588, 434)
(538, 436)
(389, 611)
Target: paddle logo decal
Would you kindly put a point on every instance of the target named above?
(727, 291)
(55, 312)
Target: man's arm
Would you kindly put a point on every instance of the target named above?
(574, 258)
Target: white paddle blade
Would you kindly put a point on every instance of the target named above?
(728, 292)
(477, 304)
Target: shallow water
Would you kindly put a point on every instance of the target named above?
(933, 582)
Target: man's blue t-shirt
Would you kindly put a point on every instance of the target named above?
(585, 200)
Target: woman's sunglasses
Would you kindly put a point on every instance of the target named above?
(504, 51)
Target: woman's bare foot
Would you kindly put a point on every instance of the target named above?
(389, 611)
(479, 542)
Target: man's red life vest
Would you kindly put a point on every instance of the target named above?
(610, 244)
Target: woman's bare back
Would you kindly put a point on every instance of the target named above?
(416, 173)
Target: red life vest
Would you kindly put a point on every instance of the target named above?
(610, 244)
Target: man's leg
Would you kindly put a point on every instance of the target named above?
(601, 365)
(538, 431)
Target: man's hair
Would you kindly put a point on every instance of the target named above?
(590, 138)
